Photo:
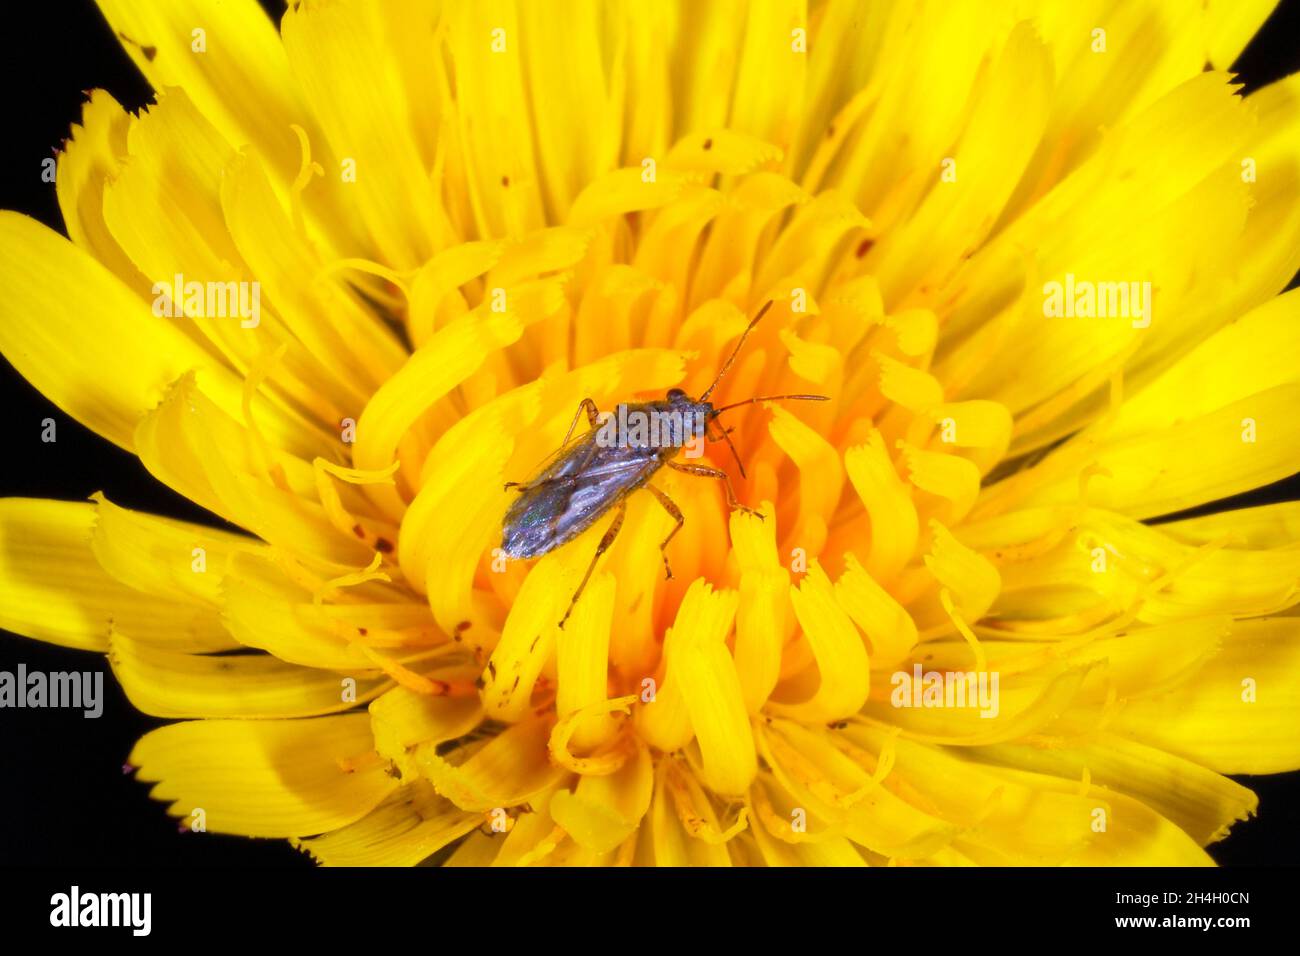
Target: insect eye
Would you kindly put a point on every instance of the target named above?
(675, 394)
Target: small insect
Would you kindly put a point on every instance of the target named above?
(596, 471)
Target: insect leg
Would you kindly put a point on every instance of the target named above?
(593, 418)
(704, 471)
(671, 507)
(601, 548)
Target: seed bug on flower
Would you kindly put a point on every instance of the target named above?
(597, 471)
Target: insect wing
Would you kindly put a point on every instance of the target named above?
(569, 495)
(564, 461)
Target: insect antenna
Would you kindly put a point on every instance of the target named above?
(726, 432)
(736, 351)
(772, 398)
(726, 366)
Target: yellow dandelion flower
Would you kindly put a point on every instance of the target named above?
(343, 283)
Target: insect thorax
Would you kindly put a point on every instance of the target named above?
(652, 425)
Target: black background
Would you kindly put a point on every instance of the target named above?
(64, 800)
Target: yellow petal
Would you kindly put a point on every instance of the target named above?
(501, 155)
(717, 711)
(410, 825)
(667, 840)
(1238, 361)
(1231, 25)
(1133, 834)
(1010, 110)
(444, 362)
(623, 191)
(582, 662)
(167, 683)
(328, 44)
(821, 475)
(577, 132)
(830, 785)
(1268, 526)
(1201, 802)
(352, 350)
(841, 656)
(241, 80)
(721, 151)
(93, 155)
(162, 556)
(770, 71)
(1238, 713)
(56, 294)
(196, 448)
(984, 427)
(894, 525)
(1201, 459)
(972, 578)
(605, 810)
(53, 589)
(887, 626)
(264, 609)
(510, 769)
(531, 630)
(274, 778)
(704, 617)
(834, 851)
(950, 477)
(402, 719)
(763, 612)
(1013, 822)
